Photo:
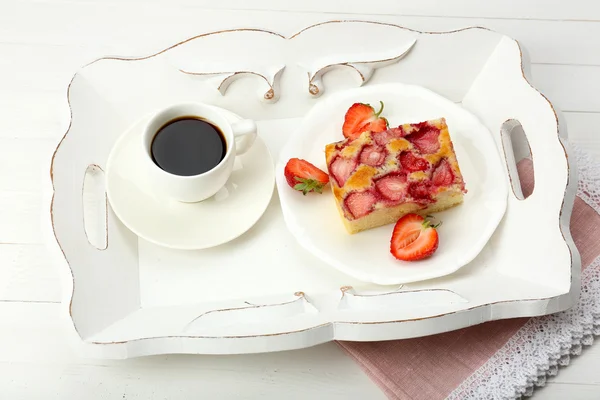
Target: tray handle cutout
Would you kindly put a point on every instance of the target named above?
(95, 213)
(397, 299)
(252, 314)
(519, 159)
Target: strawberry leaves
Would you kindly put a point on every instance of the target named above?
(308, 185)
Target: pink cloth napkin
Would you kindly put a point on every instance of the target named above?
(432, 367)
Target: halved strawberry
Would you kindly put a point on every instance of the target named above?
(360, 203)
(372, 155)
(412, 163)
(362, 117)
(305, 177)
(442, 174)
(378, 125)
(425, 138)
(414, 238)
(341, 168)
(393, 187)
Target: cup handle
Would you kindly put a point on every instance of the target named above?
(244, 133)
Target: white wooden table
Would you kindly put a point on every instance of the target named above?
(43, 42)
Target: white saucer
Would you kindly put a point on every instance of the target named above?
(315, 221)
(187, 226)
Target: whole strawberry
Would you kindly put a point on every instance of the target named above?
(305, 177)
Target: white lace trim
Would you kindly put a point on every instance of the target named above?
(546, 343)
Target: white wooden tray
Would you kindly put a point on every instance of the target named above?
(263, 292)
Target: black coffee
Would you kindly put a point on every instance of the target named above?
(188, 146)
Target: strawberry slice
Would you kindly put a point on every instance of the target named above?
(392, 187)
(360, 203)
(362, 117)
(341, 168)
(412, 163)
(384, 137)
(414, 238)
(425, 138)
(420, 191)
(442, 174)
(305, 177)
(372, 155)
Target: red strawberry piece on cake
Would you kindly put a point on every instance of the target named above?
(393, 187)
(420, 191)
(372, 155)
(305, 177)
(414, 238)
(341, 169)
(426, 138)
(412, 163)
(384, 137)
(360, 204)
(362, 117)
(442, 174)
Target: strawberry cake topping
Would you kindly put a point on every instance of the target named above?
(420, 191)
(342, 168)
(442, 174)
(425, 138)
(412, 163)
(392, 187)
(373, 155)
(384, 137)
(360, 204)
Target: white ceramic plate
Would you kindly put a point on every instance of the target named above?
(170, 223)
(315, 221)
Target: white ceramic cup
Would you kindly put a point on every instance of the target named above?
(239, 137)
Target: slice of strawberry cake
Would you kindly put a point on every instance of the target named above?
(376, 178)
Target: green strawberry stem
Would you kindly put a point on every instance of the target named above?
(427, 223)
(378, 113)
